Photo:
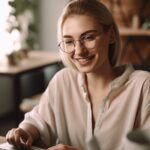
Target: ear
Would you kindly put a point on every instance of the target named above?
(112, 37)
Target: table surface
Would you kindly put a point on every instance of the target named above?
(34, 60)
(2, 139)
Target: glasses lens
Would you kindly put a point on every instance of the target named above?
(89, 41)
(90, 44)
(67, 46)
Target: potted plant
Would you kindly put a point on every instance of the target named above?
(22, 19)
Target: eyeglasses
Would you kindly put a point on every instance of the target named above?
(89, 41)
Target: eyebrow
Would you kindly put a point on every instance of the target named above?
(83, 34)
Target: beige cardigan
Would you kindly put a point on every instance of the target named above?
(64, 113)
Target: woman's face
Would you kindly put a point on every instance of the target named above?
(91, 52)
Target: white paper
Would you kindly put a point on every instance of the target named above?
(7, 146)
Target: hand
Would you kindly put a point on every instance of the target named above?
(62, 147)
(19, 138)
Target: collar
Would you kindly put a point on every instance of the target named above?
(115, 84)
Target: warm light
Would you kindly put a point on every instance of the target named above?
(9, 41)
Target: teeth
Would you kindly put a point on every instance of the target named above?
(84, 59)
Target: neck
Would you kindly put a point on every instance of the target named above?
(102, 77)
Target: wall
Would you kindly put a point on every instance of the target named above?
(49, 11)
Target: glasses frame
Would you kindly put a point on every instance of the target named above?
(81, 42)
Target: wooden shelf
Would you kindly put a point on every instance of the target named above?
(134, 32)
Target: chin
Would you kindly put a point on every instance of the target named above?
(85, 69)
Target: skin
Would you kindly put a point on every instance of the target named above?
(74, 27)
(22, 137)
(94, 63)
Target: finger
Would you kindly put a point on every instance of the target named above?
(26, 138)
(18, 142)
(10, 136)
(23, 138)
(14, 137)
(29, 142)
(7, 136)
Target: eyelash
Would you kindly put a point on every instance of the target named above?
(87, 37)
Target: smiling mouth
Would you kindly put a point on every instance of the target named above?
(85, 59)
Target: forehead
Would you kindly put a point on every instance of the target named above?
(75, 25)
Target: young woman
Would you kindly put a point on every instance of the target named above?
(93, 103)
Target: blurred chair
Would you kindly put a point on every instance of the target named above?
(46, 75)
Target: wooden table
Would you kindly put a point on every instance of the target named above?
(2, 139)
(36, 60)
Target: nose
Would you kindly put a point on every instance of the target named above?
(79, 47)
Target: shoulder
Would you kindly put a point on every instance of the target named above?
(66, 75)
(140, 81)
(140, 76)
(62, 81)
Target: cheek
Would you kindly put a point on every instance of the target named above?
(102, 48)
(103, 41)
(71, 58)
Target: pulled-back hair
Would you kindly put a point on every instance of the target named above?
(102, 15)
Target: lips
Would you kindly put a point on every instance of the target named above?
(85, 60)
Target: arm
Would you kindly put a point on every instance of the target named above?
(34, 127)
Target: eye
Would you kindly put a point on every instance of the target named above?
(68, 42)
(90, 37)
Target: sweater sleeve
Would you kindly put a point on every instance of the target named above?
(42, 116)
(145, 112)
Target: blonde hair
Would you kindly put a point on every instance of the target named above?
(102, 15)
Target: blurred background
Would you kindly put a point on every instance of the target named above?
(29, 24)
(28, 33)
